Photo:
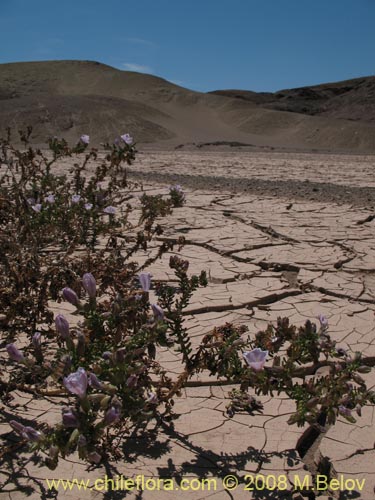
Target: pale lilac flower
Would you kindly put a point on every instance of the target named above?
(95, 382)
(132, 381)
(31, 201)
(89, 284)
(14, 353)
(112, 415)
(50, 198)
(158, 312)
(76, 382)
(323, 321)
(37, 207)
(88, 206)
(152, 398)
(346, 412)
(176, 187)
(26, 432)
(85, 139)
(145, 281)
(36, 340)
(69, 418)
(17, 426)
(256, 358)
(76, 198)
(109, 210)
(127, 138)
(62, 326)
(32, 434)
(71, 296)
(94, 457)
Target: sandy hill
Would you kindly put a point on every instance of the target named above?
(68, 98)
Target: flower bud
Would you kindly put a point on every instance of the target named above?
(104, 402)
(158, 312)
(145, 281)
(62, 326)
(81, 344)
(132, 381)
(71, 296)
(364, 369)
(15, 353)
(94, 457)
(36, 340)
(69, 418)
(112, 416)
(89, 284)
(95, 382)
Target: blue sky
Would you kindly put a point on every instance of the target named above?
(261, 45)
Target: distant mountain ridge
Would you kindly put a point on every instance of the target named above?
(349, 100)
(68, 98)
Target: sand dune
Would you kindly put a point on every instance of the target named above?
(67, 98)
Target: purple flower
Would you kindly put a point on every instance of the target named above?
(62, 326)
(85, 139)
(76, 198)
(69, 418)
(31, 201)
(95, 382)
(71, 296)
(17, 426)
(256, 358)
(107, 355)
(158, 312)
(110, 210)
(132, 381)
(88, 206)
(31, 434)
(36, 340)
(14, 353)
(323, 321)
(127, 138)
(76, 382)
(112, 415)
(94, 457)
(346, 412)
(152, 398)
(26, 432)
(37, 207)
(145, 281)
(50, 198)
(89, 284)
(177, 188)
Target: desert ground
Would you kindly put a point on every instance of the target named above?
(279, 234)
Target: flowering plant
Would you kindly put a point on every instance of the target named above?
(72, 237)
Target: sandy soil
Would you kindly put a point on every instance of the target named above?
(270, 249)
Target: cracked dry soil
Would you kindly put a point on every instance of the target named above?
(270, 250)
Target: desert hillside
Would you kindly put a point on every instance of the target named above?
(349, 99)
(68, 98)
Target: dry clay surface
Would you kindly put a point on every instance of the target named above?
(265, 256)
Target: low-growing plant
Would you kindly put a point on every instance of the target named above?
(71, 236)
